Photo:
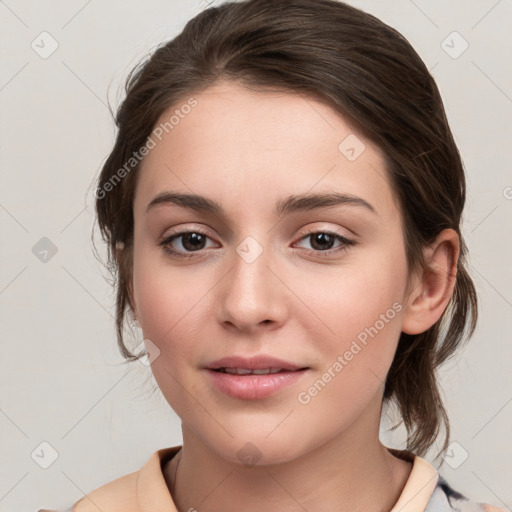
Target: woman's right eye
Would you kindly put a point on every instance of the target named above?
(190, 242)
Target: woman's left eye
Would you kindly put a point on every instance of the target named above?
(322, 242)
(194, 241)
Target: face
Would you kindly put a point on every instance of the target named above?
(318, 283)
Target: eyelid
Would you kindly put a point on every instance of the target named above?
(302, 233)
(185, 229)
(322, 228)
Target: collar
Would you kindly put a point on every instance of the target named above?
(152, 491)
(420, 485)
(153, 494)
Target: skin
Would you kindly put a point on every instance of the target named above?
(247, 149)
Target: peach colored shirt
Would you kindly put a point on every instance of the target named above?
(146, 490)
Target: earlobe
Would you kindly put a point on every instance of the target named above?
(433, 290)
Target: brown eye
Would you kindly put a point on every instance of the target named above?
(323, 241)
(193, 241)
(180, 244)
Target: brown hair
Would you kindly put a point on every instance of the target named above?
(370, 74)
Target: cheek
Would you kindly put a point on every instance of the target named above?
(167, 307)
(355, 359)
(159, 296)
(357, 294)
(360, 312)
(171, 308)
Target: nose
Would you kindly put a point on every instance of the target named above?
(253, 296)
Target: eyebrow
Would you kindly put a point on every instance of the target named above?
(285, 206)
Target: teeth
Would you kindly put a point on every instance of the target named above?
(245, 371)
(261, 371)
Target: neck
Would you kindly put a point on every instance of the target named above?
(350, 472)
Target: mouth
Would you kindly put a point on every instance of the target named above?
(253, 378)
(258, 364)
(254, 371)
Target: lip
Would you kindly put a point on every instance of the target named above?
(253, 387)
(257, 362)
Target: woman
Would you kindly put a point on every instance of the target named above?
(282, 208)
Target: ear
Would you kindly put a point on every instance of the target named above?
(433, 290)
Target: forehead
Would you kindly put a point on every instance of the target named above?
(241, 144)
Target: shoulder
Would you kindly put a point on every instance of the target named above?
(143, 489)
(119, 495)
(446, 499)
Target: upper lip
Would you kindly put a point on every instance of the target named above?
(258, 362)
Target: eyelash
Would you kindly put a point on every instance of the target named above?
(345, 243)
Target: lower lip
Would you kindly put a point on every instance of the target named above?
(253, 387)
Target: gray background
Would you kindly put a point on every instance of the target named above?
(62, 381)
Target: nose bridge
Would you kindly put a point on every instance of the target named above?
(252, 294)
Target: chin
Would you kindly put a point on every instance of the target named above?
(256, 449)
